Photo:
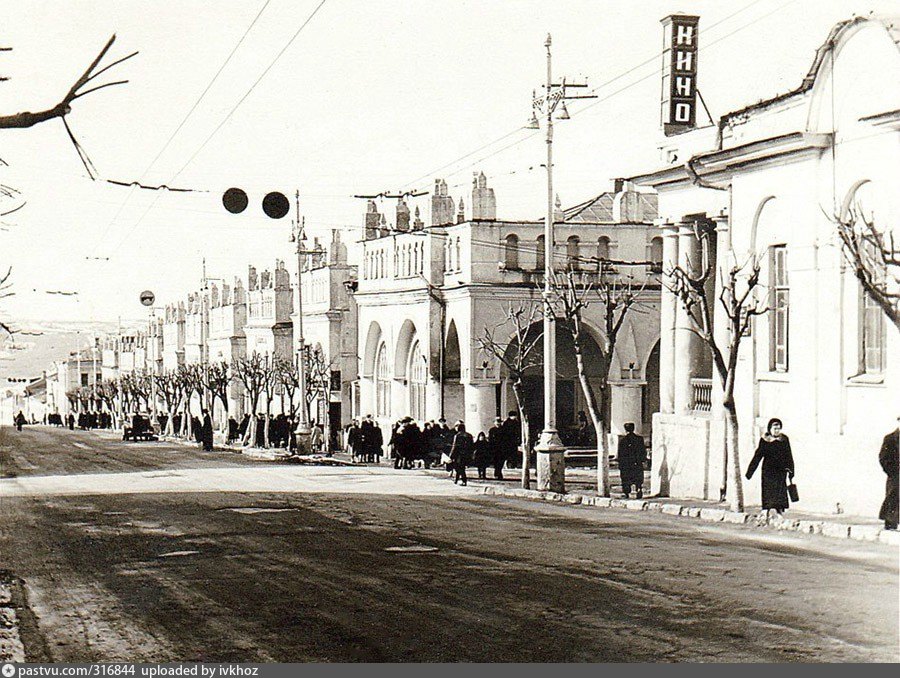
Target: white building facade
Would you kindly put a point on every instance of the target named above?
(768, 181)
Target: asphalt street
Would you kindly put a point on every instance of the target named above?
(161, 552)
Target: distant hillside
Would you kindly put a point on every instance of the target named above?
(36, 344)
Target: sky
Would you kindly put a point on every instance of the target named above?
(368, 97)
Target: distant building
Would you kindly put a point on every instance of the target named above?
(426, 293)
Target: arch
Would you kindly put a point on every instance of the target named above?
(382, 382)
(540, 258)
(452, 355)
(572, 257)
(373, 338)
(754, 229)
(847, 204)
(417, 369)
(401, 354)
(656, 254)
(603, 247)
(511, 251)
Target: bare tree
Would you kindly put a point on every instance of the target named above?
(516, 344)
(874, 255)
(216, 380)
(171, 390)
(5, 291)
(289, 379)
(251, 372)
(64, 106)
(737, 296)
(573, 292)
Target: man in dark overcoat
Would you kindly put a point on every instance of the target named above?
(496, 445)
(512, 438)
(206, 432)
(632, 455)
(889, 458)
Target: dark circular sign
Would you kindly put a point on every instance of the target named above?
(147, 298)
(275, 205)
(235, 200)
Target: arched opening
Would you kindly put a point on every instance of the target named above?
(540, 254)
(453, 389)
(511, 251)
(569, 396)
(382, 383)
(417, 369)
(656, 255)
(572, 256)
(650, 400)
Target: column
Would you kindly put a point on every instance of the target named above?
(627, 401)
(688, 346)
(480, 407)
(667, 312)
(720, 317)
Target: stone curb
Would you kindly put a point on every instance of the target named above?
(868, 533)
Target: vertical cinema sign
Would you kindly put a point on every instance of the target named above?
(679, 73)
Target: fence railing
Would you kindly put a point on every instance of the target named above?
(701, 395)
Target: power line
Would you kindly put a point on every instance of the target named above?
(621, 75)
(183, 120)
(224, 120)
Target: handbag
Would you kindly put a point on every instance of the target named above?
(793, 493)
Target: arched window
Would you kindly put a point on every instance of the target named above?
(656, 255)
(458, 256)
(572, 260)
(603, 253)
(382, 383)
(540, 258)
(417, 371)
(511, 251)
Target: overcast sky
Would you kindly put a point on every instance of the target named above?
(371, 96)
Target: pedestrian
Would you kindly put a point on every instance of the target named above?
(461, 453)
(19, 420)
(315, 439)
(512, 438)
(70, 420)
(889, 458)
(774, 451)
(483, 455)
(496, 446)
(353, 441)
(632, 455)
(394, 446)
(206, 432)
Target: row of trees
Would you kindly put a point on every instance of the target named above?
(263, 379)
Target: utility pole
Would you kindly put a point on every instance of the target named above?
(551, 464)
(303, 431)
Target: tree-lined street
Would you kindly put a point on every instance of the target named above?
(368, 563)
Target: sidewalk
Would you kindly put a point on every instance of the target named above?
(581, 489)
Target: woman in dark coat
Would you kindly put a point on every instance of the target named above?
(774, 451)
(483, 455)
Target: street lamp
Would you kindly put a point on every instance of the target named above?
(551, 464)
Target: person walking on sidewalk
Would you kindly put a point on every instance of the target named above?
(483, 456)
(632, 455)
(774, 451)
(206, 432)
(496, 446)
(461, 453)
(889, 458)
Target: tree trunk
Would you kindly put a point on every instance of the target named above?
(731, 452)
(598, 418)
(526, 435)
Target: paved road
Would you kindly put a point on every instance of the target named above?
(258, 562)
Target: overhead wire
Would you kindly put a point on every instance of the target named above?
(184, 120)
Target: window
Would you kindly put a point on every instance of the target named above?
(603, 253)
(572, 258)
(382, 383)
(540, 261)
(417, 370)
(872, 336)
(511, 251)
(84, 379)
(656, 255)
(778, 327)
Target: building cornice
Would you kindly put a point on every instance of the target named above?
(718, 167)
